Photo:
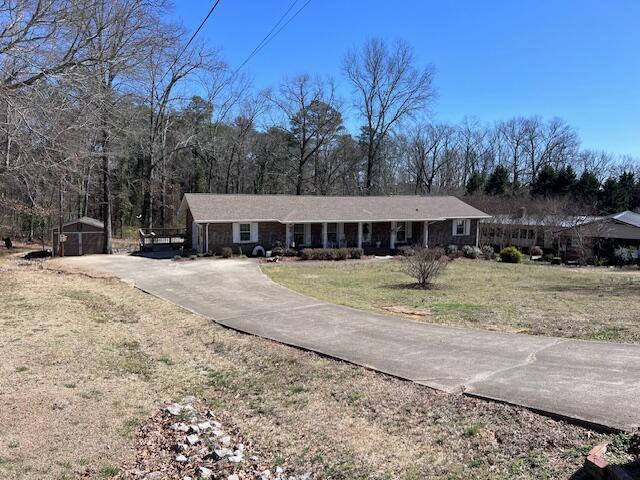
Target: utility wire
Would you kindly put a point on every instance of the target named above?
(263, 43)
(191, 39)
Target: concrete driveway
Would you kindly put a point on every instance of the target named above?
(592, 382)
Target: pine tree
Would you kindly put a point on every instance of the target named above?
(565, 180)
(498, 181)
(475, 183)
(586, 189)
(545, 181)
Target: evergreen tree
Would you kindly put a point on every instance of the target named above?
(586, 189)
(627, 187)
(545, 182)
(611, 199)
(498, 181)
(475, 183)
(565, 181)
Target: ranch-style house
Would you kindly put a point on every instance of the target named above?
(256, 224)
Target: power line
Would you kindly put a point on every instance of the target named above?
(264, 42)
(192, 37)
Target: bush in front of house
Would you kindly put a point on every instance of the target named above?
(510, 255)
(452, 250)
(536, 251)
(406, 250)
(488, 252)
(227, 252)
(470, 251)
(626, 256)
(330, 253)
(425, 265)
(548, 257)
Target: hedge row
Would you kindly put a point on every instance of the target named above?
(330, 253)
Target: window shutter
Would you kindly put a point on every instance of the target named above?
(236, 233)
(453, 227)
(254, 232)
(467, 227)
(408, 230)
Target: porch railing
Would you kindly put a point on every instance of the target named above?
(161, 237)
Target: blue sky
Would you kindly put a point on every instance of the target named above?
(575, 59)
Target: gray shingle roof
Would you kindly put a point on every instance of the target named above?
(628, 217)
(211, 208)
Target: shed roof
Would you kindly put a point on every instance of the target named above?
(214, 208)
(86, 220)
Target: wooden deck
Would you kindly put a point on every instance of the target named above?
(162, 238)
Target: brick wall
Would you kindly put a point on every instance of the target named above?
(441, 234)
(269, 234)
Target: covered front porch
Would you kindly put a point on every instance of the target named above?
(372, 237)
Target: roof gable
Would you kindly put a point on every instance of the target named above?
(212, 208)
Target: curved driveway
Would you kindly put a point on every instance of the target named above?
(593, 382)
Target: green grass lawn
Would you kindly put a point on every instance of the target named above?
(588, 303)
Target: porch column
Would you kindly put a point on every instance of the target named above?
(288, 234)
(340, 229)
(324, 235)
(206, 240)
(425, 237)
(392, 241)
(478, 233)
(359, 234)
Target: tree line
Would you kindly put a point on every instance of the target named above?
(107, 110)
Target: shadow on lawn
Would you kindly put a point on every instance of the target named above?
(628, 288)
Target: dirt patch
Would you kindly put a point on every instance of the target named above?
(408, 311)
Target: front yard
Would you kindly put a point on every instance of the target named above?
(587, 303)
(85, 361)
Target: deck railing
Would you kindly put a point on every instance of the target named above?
(162, 237)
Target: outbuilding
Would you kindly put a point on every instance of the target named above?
(83, 236)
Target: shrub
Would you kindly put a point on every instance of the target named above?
(425, 265)
(625, 256)
(406, 250)
(357, 253)
(342, 253)
(510, 255)
(471, 251)
(548, 257)
(536, 251)
(227, 252)
(452, 250)
(488, 252)
(307, 254)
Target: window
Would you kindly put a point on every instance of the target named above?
(245, 232)
(298, 234)
(460, 227)
(514, 233)
(401, 232)
(532, 234)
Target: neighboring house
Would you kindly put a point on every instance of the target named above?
(258, 223)
(599, 236)
(571, 236)
(524, 231)
(83, 236)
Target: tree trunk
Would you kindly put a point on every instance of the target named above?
(106, 203)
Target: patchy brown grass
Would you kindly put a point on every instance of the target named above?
(84, 360)
(588, 303)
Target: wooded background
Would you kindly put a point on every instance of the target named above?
(107, 110)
